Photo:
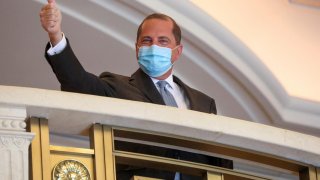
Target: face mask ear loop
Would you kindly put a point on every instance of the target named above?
(175, 47)
(172, 63)
(171, 52)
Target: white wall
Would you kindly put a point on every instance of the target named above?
(285, 36)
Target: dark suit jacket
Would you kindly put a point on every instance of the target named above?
(138, 87)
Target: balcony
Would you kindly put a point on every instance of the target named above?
(59, 126)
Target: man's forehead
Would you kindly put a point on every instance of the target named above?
(157, 19)
(151, 22)
(163, 27)
(159, 37)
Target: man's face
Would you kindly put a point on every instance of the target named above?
(158, 32)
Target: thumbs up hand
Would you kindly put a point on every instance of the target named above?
(50, 18)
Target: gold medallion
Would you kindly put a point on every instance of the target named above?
(70, 170)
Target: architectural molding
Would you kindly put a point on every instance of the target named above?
(14, 141)
(14, 125)
(14, 157)
(12, 119)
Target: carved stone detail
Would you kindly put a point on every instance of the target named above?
(14, 142)
(14, 154)
(12, 118)
(15, 125)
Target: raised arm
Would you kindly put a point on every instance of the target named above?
(70, 73)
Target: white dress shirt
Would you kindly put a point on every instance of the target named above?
(58, 48)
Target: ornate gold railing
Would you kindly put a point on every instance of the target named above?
(99, 162)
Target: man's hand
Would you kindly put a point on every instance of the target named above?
(50, 17)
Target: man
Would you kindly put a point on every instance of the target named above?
(158, 47)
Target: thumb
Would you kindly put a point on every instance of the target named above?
(51, 1)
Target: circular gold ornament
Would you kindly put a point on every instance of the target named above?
(70, 170)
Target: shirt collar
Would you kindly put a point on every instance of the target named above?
(169, 80)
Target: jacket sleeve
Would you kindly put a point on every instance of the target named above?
(213, 108)
(73, 77)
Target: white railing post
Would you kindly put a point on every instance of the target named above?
(14, 143)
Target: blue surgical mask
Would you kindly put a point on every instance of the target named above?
(155, 60)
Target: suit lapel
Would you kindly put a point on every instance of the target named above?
(188, 92)
(193, 100)
(143, 82)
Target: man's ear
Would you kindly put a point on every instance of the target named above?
(177, 53)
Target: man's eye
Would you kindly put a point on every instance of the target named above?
(146, 41)
(163, 42)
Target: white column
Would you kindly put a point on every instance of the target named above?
(14, 143)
